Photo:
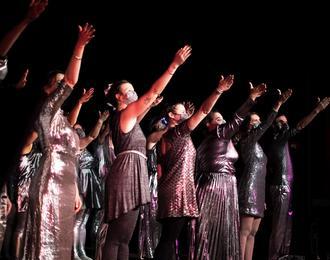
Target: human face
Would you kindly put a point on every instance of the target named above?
(52, 86)
(254, 121)
(178, 114)
(216, 119)
(127, 93)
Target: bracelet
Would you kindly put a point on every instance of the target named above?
(77, 57)
(218, 91)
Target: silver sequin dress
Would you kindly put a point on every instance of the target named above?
(52, 199)
(251, 188)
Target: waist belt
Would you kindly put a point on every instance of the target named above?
(133, 151)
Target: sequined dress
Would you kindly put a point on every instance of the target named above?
(217, 228)
(52, 199)
(88, 179)
(176, 188)
(149, 228)
(28, 166)
(251, 188)
(280, 177)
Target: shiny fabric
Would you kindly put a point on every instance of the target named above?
(127, 183)
(88, 179)
(280, 173)
(176, 188)
(280, 238)
(3, 68)
(251, 188)
(3, 217)
(28, 166)
(106, 156)
(52, 198)
(149, 228)
(217, 228)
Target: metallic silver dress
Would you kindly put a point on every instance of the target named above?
(280, 177)
(217, 228)
(52, 199)
(251, 188)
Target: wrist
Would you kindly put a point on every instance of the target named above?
(219, 91)
(172, 68)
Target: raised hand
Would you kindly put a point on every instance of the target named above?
(86, 96)
(104, 115)
(225, 83)
(285, 96)
(86, 33)
(190, 108)
(323, 104)
(257, 91)
(36, 8)
(23, 80)
(157, 101)
(182, 55)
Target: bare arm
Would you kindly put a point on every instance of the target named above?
(36, 8)
(130, 114)
(74, 113)
(155, 103)
(309, 118)
(224, 85)
(154, 138)
(86, 33)
(29, 142)
(84, 142)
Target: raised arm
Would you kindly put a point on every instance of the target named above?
(134, 110)
(229, 129)
(84, 142)
(74, 113)
(309, 118)
(86, 33)
(29, 142)
(262, 128)
(157, 101)
(224, 85)
(36, 8)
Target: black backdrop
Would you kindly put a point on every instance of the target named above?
(284, 46)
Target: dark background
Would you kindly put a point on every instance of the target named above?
(281, 45)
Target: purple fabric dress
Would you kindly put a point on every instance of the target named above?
(217, 228)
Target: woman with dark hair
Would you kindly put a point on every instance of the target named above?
(177, 202)
(251, 188)
(217, 228)
(127, 183)
(280, 173)
(54, 195)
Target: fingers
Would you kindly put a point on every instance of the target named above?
(251, 85)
